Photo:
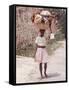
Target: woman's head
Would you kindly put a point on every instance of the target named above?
(42, 32)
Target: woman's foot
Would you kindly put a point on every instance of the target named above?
(42, 77)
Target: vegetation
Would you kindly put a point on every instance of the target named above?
(26, 32)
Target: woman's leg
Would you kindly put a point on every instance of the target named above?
(45, 69)
(40, 68)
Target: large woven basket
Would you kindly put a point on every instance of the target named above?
(37, 20)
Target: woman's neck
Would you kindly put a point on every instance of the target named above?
(41, 35)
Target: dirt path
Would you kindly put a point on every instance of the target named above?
(28, 71)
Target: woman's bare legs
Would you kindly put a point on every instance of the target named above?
(40, 68)
(45, 69)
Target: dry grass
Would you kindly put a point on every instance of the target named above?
(29, 51)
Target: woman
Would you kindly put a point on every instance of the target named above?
(41, 55)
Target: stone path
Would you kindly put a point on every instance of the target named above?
(28, 71)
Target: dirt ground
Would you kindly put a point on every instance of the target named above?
(28, 71)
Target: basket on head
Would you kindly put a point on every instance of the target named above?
(41, 20)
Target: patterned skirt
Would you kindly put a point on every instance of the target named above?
(41, 55)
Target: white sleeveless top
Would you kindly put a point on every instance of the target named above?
(40, 41)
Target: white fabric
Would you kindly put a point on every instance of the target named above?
(45, 13)
(41, 55)
(40, 41)
(52, 36)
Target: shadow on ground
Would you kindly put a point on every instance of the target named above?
(50, 75)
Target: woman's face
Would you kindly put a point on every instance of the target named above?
(42, 32)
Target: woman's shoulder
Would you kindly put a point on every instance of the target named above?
(38, 37)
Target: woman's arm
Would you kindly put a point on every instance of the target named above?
(35, 50)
